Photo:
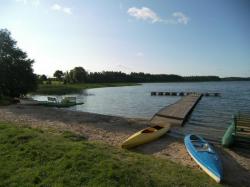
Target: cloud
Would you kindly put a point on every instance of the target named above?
(122, 67)
(146, 14)
(67, 10)
(57, 7)
(181, 18)
(32, 2)
(143, 13)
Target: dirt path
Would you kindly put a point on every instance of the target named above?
(114, 130)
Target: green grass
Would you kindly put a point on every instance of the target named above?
(60, 89)
(34, 157)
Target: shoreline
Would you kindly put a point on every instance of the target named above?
(63, 89)
(114, 130)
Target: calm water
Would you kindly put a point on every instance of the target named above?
(136, 101)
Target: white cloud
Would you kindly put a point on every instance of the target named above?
(67, 10)
(32, 2)
(56, 7)
(140, 54)
(143, 13)
(122, 67)
(146, 14)
(181, 18)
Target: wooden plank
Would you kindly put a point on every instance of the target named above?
(163, 121)
(242, 133)
(242, 129)
(243, 123)
(171, 117)
(244, 118)
(160, 93)
(178, 112)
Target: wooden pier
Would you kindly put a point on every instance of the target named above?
(183, 94)
(242, 129)
(177, 113)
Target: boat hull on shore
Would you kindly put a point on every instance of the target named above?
(48, 104)
(58, 105)
(204, 156)
(144, 136)
(228, 138)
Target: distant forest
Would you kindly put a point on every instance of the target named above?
(108, 76)
(80, 75)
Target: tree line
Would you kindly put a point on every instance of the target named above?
(80, 75)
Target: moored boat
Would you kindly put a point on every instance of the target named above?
(146, 135)
(204, 155)
(28, 101)
(229, 136)
(59, 104)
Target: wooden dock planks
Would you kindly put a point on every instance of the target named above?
(177, 113)
(215, 94)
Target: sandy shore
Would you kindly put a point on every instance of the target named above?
(114, 130)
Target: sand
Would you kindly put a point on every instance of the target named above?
(114, 130)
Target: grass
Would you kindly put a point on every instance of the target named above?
(61, 89)
(34, 157)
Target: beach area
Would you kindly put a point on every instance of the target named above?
(114, 130)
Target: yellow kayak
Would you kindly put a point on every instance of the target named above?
(146, 135)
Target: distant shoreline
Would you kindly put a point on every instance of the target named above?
(63, 89)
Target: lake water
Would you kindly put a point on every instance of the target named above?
(136, 101)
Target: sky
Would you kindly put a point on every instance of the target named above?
(185, 37)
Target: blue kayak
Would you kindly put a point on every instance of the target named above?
(204, 155)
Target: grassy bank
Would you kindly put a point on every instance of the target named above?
(33, 157)
(60, 89)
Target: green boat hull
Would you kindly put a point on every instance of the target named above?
(228, 138)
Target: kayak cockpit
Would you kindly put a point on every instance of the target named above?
(152, 129)
(200, 145)
(148, 130)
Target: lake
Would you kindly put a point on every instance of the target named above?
(137, 102)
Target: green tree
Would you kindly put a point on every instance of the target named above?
(41, 78)
(16, 73)
(78, 75)
(58, 75)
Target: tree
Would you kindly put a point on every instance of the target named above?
(58, 75)
(78, 75)
(41, 78)
(16, 73)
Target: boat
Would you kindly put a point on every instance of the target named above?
(229, 136)
(28, 101)
(52, 102)
(58, 104)
(204, 155)
(146, 135)
(238, 133)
